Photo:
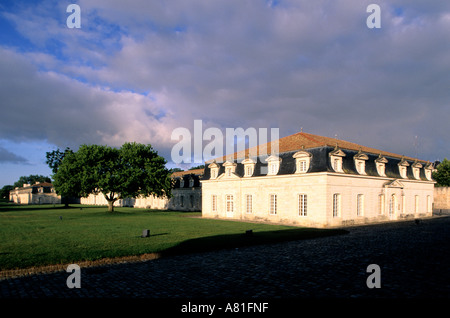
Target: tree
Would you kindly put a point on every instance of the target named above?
(197, 167)
(55, 158)
(31, 179)
(4, 192)
(131, 171)
(442, 173)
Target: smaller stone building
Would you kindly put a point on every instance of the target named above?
(38, 193)
(186, 192)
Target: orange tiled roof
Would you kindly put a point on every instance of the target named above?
(302, 140)
(182, 173)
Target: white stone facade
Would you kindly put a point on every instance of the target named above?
(358, 189)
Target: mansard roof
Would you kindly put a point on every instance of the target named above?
(320, 149)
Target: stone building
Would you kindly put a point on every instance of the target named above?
(317, 181)
(38, 193)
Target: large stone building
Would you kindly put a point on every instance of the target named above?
(317, 181)
(38, 193)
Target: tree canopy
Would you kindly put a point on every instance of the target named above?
(130, 171)
(31, 179)
(442, 173)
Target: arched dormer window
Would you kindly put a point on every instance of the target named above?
(302, 161)
(402, 168)
(230, 168)
(416, 169)
(428, 171)
(336, 159)
(273, 163)
(360, 162)
(249, 167)
(380, 164)
(214, 169)
(191, 182)
(181, 182)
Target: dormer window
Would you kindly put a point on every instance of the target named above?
(182, 182)
(302, 161)
(428, 171)
(214, 168)
(416, 170)
(380, 164)
(249, 167)
(230, 168)
(360, 162)
(191, 182)
(402, 167)
(273, 164)
(336, 159)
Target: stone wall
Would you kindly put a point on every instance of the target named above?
(441, 200)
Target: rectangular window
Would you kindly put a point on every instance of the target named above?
(416, 204)
(360, 205)
(302, 166)
(182, 201)
(191, 198)
(214, 203)
(249, 171)
(381, 203)
(336, 205)
(403, 203)
(302, 204)
(273, 204)
(249, 203)
(230, 203)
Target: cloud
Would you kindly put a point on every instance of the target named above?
(137, 70)
(9, 157)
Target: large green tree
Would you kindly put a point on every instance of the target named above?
(130, 171)
(442, 173)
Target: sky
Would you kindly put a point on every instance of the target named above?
(137, 70)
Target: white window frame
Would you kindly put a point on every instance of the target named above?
(249, 203)
(229, 200)
(336, 205)
(381, 202)
(302, 161)
(273, 204)
(360, 204)
(303, 204)
(214, 203)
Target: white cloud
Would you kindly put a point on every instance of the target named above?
(147, 67)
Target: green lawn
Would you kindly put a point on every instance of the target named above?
(36, 235)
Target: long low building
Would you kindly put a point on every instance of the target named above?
(38, 193)
(317, 181)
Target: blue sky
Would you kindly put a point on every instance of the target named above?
(137, 70)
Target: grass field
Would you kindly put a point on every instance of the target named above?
(33, 236)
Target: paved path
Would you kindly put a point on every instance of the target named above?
(414, 260)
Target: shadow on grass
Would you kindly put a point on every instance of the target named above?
(11, 207)
(227, 241)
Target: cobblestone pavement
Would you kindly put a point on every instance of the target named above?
(414, 262)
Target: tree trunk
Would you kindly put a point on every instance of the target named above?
(111, 205)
